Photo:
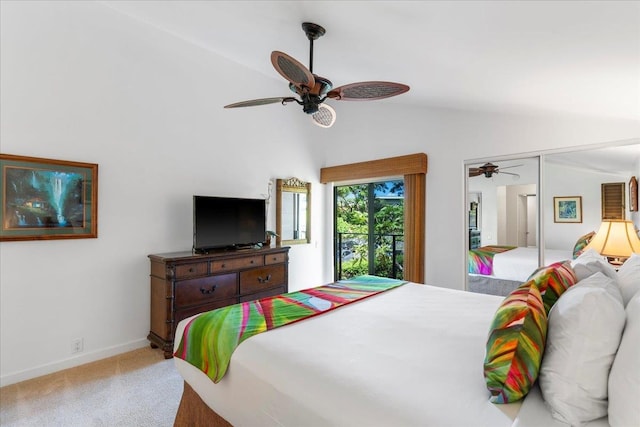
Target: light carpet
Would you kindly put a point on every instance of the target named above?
(139, 388)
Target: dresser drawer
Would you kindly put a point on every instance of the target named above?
(268, 293)
(275, 258)
(184, 284)
(184, 271)
(205, 289)
(188, 312)
(236, 263)
(258, 279)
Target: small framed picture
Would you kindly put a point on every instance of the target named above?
(567, 209)
(47, 199)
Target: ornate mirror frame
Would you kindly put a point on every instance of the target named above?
(293, 211)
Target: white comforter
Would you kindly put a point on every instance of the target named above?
(518, 264)
(412, 356)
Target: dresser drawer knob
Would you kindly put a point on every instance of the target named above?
(208, 291)
(191, 270)
(264, 280)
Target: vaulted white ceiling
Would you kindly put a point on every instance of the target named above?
(573, 57)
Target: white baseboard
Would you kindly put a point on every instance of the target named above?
(71, 362)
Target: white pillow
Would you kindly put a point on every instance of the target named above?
(583, 334)
(624, 379)
(629, 278)
(589, 262)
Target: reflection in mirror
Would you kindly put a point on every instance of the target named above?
(293, 211)
(475, 219)
(508, 212)
(584, 174)
(572, 175)
(502, 204)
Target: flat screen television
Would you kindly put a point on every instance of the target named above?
(226, 222)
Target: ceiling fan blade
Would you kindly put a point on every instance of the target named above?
(475, 172)
(515, 176)
(292, 70)
(507, 167)
(367, 91)
(261, 101)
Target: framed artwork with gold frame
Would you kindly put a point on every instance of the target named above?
(47, 199)
(567, 209)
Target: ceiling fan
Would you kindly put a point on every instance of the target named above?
(489, 169)
(313, 90)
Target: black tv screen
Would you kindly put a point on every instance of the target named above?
(226, 222)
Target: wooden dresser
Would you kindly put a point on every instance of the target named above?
(184, 284)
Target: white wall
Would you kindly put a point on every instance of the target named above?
(562, 180)
(80, 82)
(366, 131)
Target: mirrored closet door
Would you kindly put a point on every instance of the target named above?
(534, 210)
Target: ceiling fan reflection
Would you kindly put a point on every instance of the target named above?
(489, 169)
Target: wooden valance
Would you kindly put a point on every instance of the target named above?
(392, 166)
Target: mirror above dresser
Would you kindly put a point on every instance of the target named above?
(293, 211)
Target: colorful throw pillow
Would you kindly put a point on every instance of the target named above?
(581, 243)
(515, 345)
(553, 280)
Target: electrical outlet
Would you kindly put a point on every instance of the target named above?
(77, 345)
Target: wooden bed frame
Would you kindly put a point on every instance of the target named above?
(194, 412)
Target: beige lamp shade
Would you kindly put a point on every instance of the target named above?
(616, 238)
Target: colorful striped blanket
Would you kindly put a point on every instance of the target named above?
(209, 340)
(481, 259)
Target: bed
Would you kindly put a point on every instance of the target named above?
(411, 356)
(498, 270)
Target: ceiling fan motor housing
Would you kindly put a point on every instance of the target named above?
(310, 103)
(313, 97)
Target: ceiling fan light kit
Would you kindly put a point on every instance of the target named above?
(313, 90)
(325, 116)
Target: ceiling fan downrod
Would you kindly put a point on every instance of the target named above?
(313, 32)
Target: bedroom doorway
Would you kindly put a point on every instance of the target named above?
(529, 228)
(369, 229)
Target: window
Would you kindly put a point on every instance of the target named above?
(414, 168)
(369, 229)
(613, 200)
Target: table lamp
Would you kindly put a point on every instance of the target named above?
(616, 239)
